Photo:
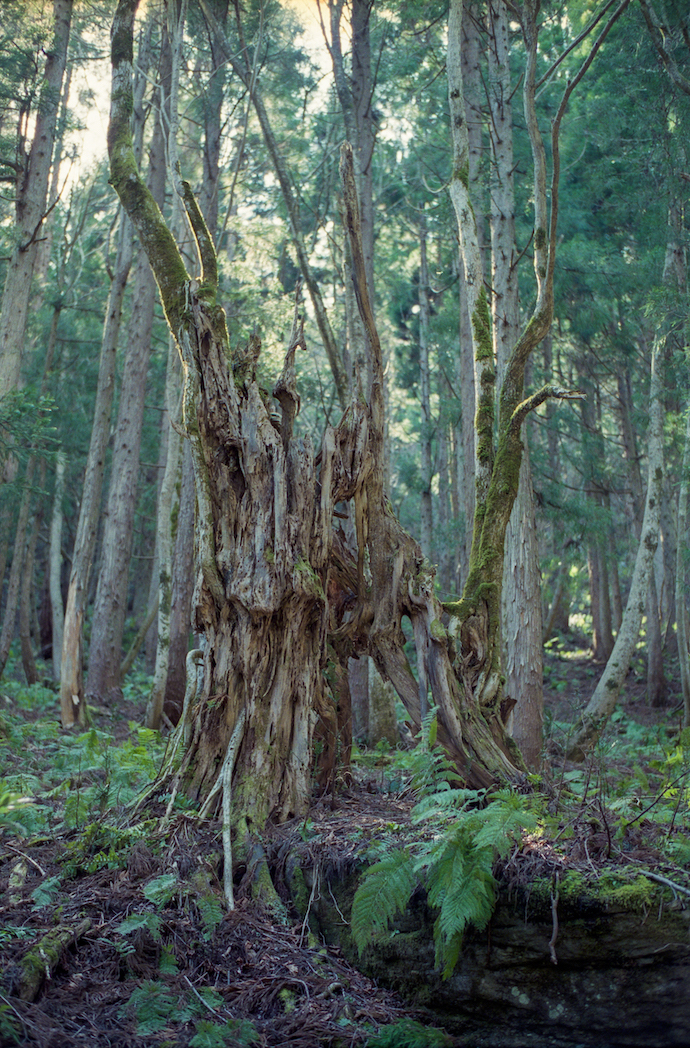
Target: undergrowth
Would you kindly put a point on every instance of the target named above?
(53, 781)
(459, 834)
(632, 796)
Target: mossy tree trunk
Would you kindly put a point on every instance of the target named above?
(499, 458)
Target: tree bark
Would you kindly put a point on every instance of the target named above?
(182, 589)
(72, 700)
(427, 524)
(105, 653)
(603, 701)
(9, 621)
(27, 587)
(31, 201)
(167, 519)
(681, 575)
(465, 370)
(521, 626)
(57, 606)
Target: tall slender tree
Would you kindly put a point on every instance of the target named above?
(32, 180)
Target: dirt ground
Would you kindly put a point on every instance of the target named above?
(128, 946)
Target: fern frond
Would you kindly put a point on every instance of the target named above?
(384, 892)
(504, 820)
(444, 801)
(447, 951)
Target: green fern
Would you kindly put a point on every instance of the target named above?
(235, 1033)
(211, 914)
(152, 1007)
(464, 836)
(384, 892)
(150, 921)
(407, 1033)
(46, 892)
(160, 890)
(429, 765)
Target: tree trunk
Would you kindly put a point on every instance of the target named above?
(447, 564)
(603, 701)
(681, 574)
(31, 200)
(105, 652)
(72, 704)
(26, 598)
(656, 681)
(72, 701)
(57, 607)
(274, 577)
(181, 599)
(167, 519)
(9, 621)
(425, 396)
(521, 626)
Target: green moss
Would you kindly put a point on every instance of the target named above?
(481, 326)
(622, 889)
(269, 555)
(310, 581)
(636, 895)
(437, 631)
(299, 892)
(462, 174)
(540, 238)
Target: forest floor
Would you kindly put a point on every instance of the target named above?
(112, 931)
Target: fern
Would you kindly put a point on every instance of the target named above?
(236, 1033)
(407, 1033)
(150, 921)
(384, 892)
(46, 892)
(429, 765)
(152, 1006)
(160, 890)
(454, 860)
(503, 821)
(211, 914)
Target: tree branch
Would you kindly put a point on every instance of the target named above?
(659, 41)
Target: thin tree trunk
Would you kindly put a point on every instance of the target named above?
(16, 571)
(681, 575)
(603, 701)
(167, 518)
(182, 587)
(446, 566)
(31, 202)
(57, 607)
(427, 525)
(105, 653)
(656, 681)
(72, 700)
(27, 587)
(465, 366)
